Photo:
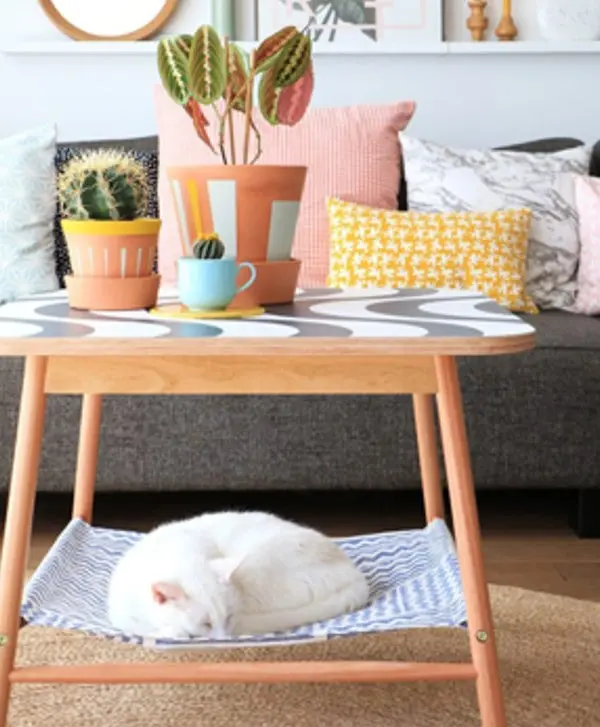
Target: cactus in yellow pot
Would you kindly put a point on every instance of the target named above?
(103, 197)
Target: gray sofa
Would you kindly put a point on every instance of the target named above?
(533, 419)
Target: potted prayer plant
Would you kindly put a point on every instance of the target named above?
(262, 200)
(112, 247)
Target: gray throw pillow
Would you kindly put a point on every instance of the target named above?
(446, 179)
(27, 207)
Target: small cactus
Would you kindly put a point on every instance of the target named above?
(208, 247)
(103, 185)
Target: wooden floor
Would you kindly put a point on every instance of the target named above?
(527, 539)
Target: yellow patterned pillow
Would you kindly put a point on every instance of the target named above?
(483, 251)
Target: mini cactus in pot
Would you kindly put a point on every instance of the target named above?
(103, 196)
(208, 247)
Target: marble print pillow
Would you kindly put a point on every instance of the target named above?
(27, 207)
(587, 191)
(446, 179)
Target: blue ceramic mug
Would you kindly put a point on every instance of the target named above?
(210, 284)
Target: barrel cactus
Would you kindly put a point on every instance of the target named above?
(202, 70)
(103, 185)
(208, 247)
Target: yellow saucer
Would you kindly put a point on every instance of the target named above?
(177, 310)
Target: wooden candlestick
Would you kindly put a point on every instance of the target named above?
(477, 22)
(506, 30)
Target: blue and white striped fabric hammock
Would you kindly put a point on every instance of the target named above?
(413, 574)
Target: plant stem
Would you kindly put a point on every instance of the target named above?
(229, 110)
(249, 102)
(258, 142)
(222, 120)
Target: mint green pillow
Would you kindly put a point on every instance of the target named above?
(27, 210)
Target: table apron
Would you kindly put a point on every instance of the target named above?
(239, 374)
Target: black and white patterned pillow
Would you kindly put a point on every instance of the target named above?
(64, 154)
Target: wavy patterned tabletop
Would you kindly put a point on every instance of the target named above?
(328, 321)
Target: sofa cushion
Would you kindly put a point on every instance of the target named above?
(560, 330)
(351, 152)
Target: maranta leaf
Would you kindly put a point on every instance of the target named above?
(293, 60)
(268, 51)
(207, 66)
(294, 100)
(268, 96)
(238, 77)
(172, 57)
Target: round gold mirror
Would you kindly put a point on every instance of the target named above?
(109, 19)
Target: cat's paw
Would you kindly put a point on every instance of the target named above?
(169, 632)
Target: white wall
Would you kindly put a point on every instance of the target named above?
(475, 100)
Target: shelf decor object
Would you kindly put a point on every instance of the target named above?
(357, 27)
(244, 21)
(222, 14)
(109, 19)
(506, 28)
(569, 20)
(477, 21)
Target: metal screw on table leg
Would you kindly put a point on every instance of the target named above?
(481, 636)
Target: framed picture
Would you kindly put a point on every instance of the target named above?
(356, 26)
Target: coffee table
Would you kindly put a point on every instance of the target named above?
(328, 342)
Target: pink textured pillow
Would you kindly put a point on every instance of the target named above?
(352, 153)
(587, 191)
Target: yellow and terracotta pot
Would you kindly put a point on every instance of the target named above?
(254, 210)
(112, 263)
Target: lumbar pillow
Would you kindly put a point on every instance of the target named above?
(445, 179)
(483, 251)
(351, 152)
(587, 191)
(27, 208)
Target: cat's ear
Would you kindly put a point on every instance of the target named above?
(163, 592)
(225, 567)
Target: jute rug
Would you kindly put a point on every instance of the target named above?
(549, 647)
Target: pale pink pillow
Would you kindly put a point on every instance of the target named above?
(352, 153)
(587, 191)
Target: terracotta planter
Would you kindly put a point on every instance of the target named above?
(275, 284)
(253, 208)
(112, 249)
(92, 293)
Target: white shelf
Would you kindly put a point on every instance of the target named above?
(71, 47)
(531, 47)
(100, 47)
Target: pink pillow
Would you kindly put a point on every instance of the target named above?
(352, 153)
(587, 191)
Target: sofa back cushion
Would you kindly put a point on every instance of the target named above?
(351, 152)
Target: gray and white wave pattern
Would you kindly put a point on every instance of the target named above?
(327, 313)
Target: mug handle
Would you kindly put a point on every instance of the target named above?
(252, 270)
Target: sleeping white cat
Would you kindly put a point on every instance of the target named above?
(231, 573)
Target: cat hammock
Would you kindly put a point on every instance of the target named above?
(414, 578)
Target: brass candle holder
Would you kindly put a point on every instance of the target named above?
(506, 29)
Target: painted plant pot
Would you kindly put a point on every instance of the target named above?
(254, 210)
(112, 249)
(112, 263)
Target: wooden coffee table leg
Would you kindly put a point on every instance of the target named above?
(428, 456)
(468, 542)
(87, 456)
(19, 516)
